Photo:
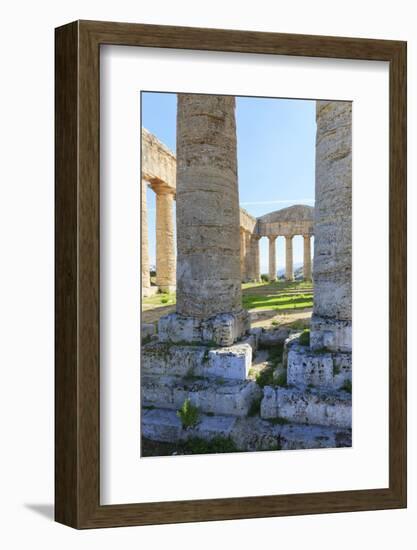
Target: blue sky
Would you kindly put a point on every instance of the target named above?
(276, 151)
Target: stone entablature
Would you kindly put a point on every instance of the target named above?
(287, 222)
(247, 221)
(159, 164)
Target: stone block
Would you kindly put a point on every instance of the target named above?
(214, 396)
(165, 426)
(308, 368)
(161, 425)
(248, 434)
(292, 340)
(342, 368)
(174, 360)
(332, 334)
(320, 407)
(273, 336)
(256, 333)
(231, 362)
(147, 330)
(223, 329)
(322, 370)
(296, 436)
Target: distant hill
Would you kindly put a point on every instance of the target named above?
(298, 271)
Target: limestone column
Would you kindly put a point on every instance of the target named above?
(289, 269)
(255, 270)
(331, 324)
(165, 240)
(249, 267)
(146, 279)
(272, 258)
(307, 258)
(208, 215)
(242, 254)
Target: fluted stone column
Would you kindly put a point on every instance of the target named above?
(209, 298)
(242, 254)
(146, 279)
(249, 266)
(165, 240)
(255, 260)
(289, 268)
(307, 258)
(331, 324)
(272, 258)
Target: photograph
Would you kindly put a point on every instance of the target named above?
(246, 273)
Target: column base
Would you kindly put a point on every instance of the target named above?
(223, 329)
(330, 333)
(167, 288)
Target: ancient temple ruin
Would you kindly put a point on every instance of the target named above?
(203, 351)
(159, 174)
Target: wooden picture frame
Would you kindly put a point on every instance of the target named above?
(77, 406)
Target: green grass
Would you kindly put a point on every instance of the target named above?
(279, 285)
(265, 377)
(275, 354)
(281, 379)
(278, 302)
(160, 299)
(279, 295)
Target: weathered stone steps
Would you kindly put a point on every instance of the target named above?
(222, 397)
(323, 370)
(308, 406)
(248, 434)
(164, 359)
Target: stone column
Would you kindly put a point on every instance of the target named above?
(255, 274)
(249, 266)
(242, 254)
(331, 325)
(146, 279)
(289, 269)
(165, 241)
(307, 258)
(272, 258)
(209, 298)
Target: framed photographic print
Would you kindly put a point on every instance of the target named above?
(230, 274)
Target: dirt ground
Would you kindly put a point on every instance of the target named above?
(293, 318)
(297, 319)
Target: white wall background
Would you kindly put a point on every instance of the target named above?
(26, 273)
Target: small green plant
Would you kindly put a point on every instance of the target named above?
(275, 354)
(264, 278)
(281, 379)
(336, 370)
(255, 407)
(164, 300)
(304, 338)
(265, 377)
(275, 323)
(347, 386)
(146, 340)
(188, 414)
